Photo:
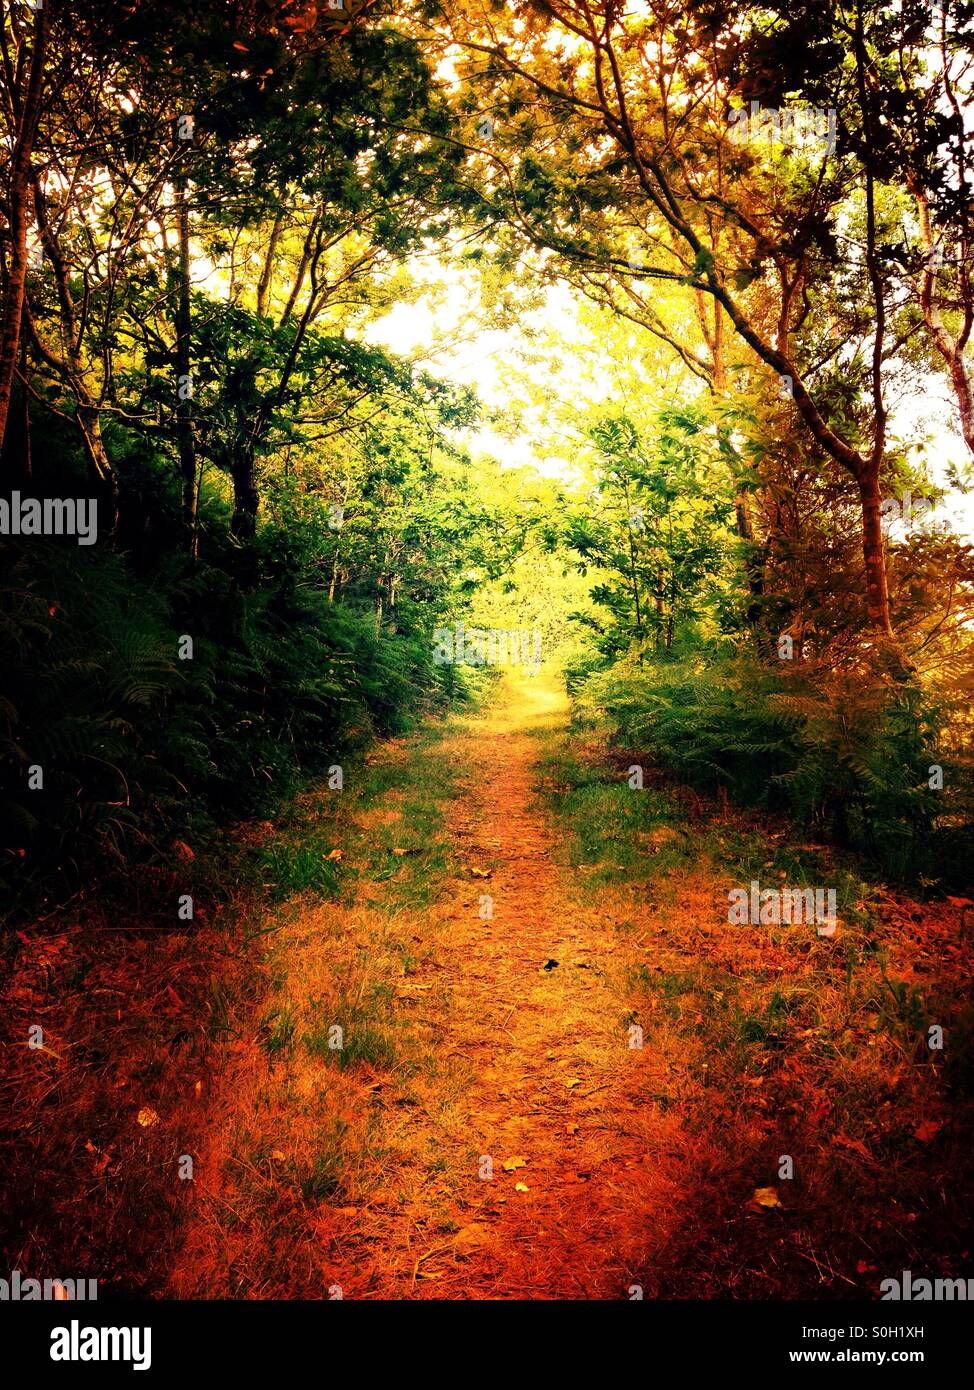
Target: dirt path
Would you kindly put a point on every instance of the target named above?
(351, 1079)
(553, 1080)
(486, 1129)
(495, 1136)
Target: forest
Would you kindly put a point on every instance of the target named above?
(487, 647)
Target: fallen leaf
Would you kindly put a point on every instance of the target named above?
(521, 1187)
(927, 1130)
(471, 1236)
(335, 854)
(102, 1161)
(573, 1081)
(764, 1199)
(174, 1004)
(511, 1164)
(856, 1145)
(147, 1117)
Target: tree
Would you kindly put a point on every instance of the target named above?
(24, 55)
(612, 126)
(656, 528)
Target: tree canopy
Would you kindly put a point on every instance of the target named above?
(759, 219)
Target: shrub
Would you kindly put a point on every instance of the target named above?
(137, 746)
(848, 753)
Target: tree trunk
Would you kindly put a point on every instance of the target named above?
(877, 589)
(71, 368)
(754, 563)
(950, 346)
(19, 199)
(960, 377)
(263, 284)
(246, 499)
(391, 592)
(89, 422)
(754, 558)
(184, 401)
(15, 456)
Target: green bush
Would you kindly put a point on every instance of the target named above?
(846, 753)
(139, 747)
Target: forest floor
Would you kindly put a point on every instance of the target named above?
(491, 1035)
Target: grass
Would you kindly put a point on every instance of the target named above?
(778, 1042)
(293, 868)
(616, 828)
(145, 1014)
(314, 1045)
(350, 935)
(136, 1022)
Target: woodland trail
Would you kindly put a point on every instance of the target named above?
(520, 1155)
(553, 1081)
(485, 1130)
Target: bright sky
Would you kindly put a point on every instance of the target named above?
(445, 333)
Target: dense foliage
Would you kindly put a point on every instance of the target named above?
(208, 214)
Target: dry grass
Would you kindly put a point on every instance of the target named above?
(482, 1054)
(132, 1022)
(486, 1130)
(780, 1043)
